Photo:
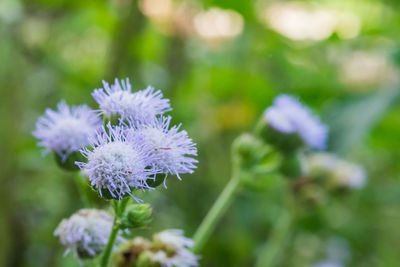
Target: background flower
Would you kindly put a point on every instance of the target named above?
(288, 116)
(86, 232)
(66, 130)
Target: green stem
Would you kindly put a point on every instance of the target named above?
(110, 244)
(119, 208)
(221, 204)
(272, 250)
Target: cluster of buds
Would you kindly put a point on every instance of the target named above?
(168, 248)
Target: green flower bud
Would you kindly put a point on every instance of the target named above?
(144, 260)
(248, 150)
(156, 182)
(137, 215)
(285, 142)
(68, 163)
(292, 165)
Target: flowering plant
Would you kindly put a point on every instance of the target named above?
(136, 148)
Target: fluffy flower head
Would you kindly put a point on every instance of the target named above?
(117, 163)
(289, 116)
(172, 149)
(86, 232)
(174, 249)
(66, 130)
(118, 100)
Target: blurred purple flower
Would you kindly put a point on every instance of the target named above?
(288, 116)
(86, 232)
(66, 130)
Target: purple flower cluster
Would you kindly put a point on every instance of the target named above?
(289, 116)
(126, 156)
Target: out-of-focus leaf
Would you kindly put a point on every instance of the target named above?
(349, 123)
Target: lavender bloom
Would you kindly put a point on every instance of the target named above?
(172, 149)
(117, 163)
(174, 249)
(289, 116)
(118, 100)
(66, 130)
(86, 232)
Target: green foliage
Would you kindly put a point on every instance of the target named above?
(63, 49)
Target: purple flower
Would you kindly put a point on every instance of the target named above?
(66, 130)
(117, 163)
(86, 232)
(118, 100)
(172, 149)
(288, 116)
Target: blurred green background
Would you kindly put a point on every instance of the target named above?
(221, 63)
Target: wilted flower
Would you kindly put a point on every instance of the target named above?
(172, 149)
(116, 164)
(341, 173)
(169, 248)
(174, 249)
(86, 232)
(66, 130)
(118, 100)
(289, 116)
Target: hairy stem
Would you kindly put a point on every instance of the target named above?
(215, 213)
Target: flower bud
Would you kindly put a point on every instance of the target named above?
(159, 179)
(68, 162)
(144, 260)
(292, 165)
(248, 150)
(137, 215)
(130, 252)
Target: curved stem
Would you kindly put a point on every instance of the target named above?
(273, 248)
(119, 208)
(221, 204)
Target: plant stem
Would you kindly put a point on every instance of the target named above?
(215, 213)
(273, 248)
(119, 208)
(110, 244)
